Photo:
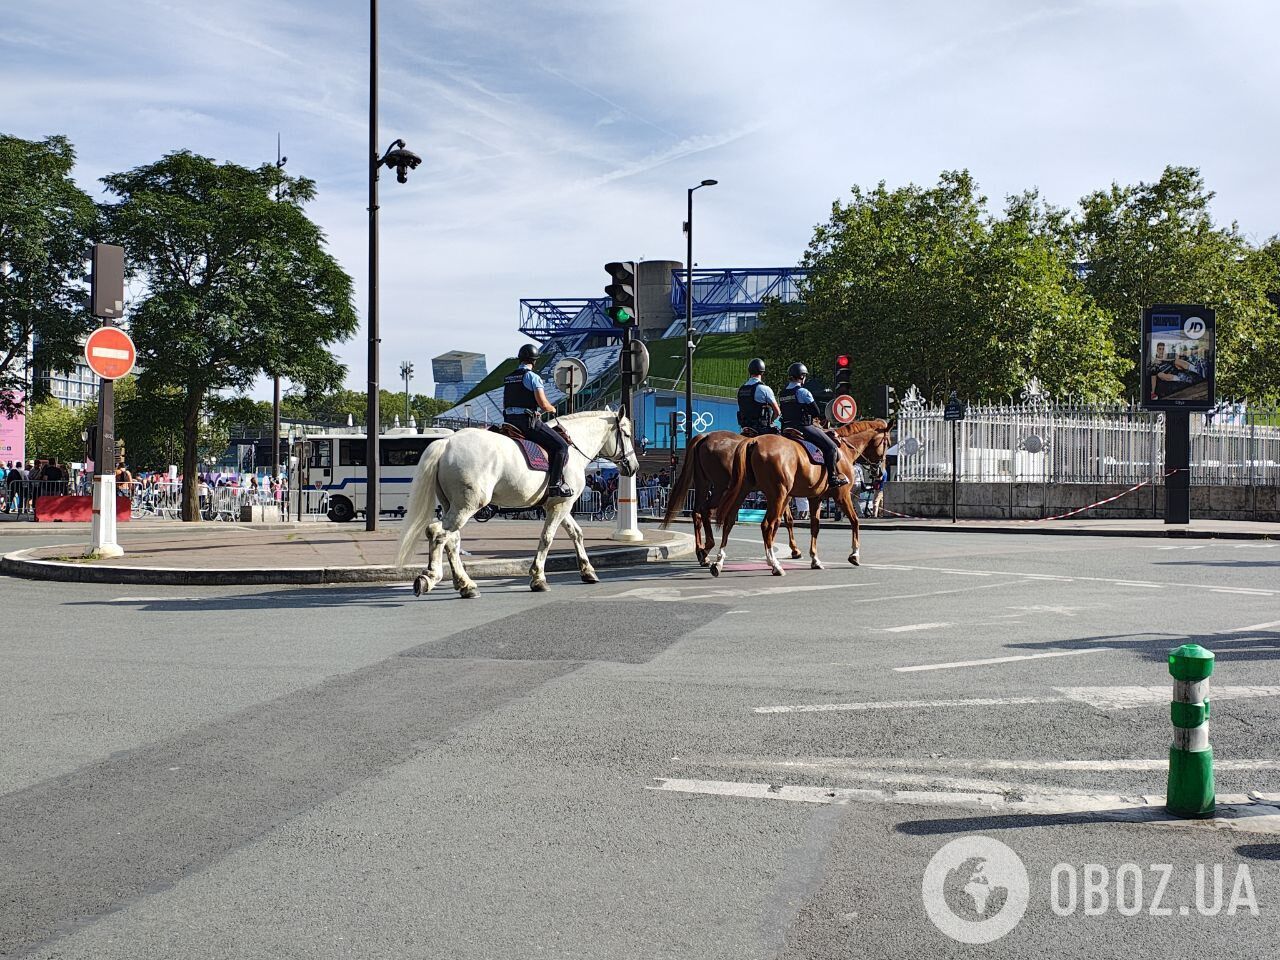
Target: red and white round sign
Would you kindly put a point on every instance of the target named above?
(110, 353)
(843, 409)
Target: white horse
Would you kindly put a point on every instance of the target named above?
(474, 468)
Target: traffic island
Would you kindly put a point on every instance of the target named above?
(320, 553)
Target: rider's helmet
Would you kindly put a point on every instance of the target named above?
(755, 367)
(528, 353)
(797, 370)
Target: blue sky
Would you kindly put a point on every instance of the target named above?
(559, 135)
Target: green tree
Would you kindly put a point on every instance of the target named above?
(238, 283)
(921, 285)
(336, 405)
(46, 224)
(56, 431)
(1157, 243)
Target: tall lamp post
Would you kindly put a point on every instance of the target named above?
(688, 319)
(275, 396)
(403, 160)
(406, 371)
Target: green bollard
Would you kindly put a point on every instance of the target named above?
(1190, 792)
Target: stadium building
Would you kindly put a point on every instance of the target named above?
(726, 307)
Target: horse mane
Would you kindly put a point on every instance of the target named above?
(859, 426)
(584, 414)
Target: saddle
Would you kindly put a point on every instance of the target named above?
(815, 454)
(534, 455)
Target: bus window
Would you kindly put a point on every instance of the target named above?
(353, 453)
(321, 453)
(400, 452)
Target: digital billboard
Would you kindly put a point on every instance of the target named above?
(1178, 357)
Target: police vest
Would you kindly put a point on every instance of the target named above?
(752, 413)
(516, 394)
(794, 413)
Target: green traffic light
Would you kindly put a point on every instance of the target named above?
(621, 316)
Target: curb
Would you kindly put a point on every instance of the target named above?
(965, 526)
(21, 564)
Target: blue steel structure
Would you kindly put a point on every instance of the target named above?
(729, 299)
(546, 319)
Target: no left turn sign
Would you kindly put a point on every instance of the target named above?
(110, 353)
(842, 409)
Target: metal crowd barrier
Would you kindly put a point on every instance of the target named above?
(20, 496)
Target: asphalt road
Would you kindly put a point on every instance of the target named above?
(662, 765)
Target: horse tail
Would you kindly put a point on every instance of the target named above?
(737, 481)
(680, 486)
(422, 501)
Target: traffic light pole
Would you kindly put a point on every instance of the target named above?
(628, 525)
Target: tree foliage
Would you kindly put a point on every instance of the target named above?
(56, 431)
(925, 286)
(335, 406)
(238, 283)
(46, 225)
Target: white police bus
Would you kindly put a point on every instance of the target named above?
(333, 469)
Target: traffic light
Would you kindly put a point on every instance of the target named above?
(843, 372)
(886, 401)
(622, 293)
(633, 364)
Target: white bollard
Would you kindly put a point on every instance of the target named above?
(102, 534)
(628, 527)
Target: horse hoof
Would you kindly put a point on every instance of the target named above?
(816, 565)
(778, 571)
(702, 557)
(795, 554)
(589, 576)
(538, 586)
(715, 569)
(853, 558)
(470, 593)
(419, 586)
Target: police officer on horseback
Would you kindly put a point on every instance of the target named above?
(799, 410)
(757, 406)
(523, 400)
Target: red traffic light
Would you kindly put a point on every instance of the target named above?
(842, 361)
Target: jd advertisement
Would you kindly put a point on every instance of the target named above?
(1178, 355)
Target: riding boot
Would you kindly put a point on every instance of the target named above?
(837, 479)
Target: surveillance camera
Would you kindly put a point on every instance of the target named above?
(403, 160)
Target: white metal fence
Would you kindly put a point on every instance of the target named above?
(1076, 444)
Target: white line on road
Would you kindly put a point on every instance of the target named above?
(996, 766)
(914, 626)
(1246, 814)
(991, 660)
(910, 704)
(1126, 698)
(1066, 579)
(1257, 626)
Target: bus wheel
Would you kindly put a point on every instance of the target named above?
(341, 510)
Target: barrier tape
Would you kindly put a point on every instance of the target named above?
(1061, 516)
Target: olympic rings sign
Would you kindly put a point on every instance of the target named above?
(703, 420)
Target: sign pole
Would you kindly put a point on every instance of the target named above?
(955, 474)
(628, 524)
(107, 299)
(1177, 457)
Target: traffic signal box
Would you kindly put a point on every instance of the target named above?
(886, 401)
(621, 293)
(844, 370)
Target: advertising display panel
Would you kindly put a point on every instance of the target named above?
(1178, 357)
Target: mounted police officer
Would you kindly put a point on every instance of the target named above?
(523, 400)
(799, 410)
(757, 406)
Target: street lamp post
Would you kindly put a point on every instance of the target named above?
(406, 371)
(275, 396)
(403, 160)
(688, 319)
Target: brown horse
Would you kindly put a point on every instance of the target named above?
(780, 468)
(708, 464)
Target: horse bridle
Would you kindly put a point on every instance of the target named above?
(622, 439)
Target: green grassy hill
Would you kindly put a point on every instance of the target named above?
(720, 360)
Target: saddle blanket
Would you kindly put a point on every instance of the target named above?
(534, 455)
(815, 455)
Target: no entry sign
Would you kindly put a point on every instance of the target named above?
(843, 409)
(110, 353)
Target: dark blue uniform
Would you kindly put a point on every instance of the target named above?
(520, 409)
(755, 406)
(799, 409)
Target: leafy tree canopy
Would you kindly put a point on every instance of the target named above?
(238, 282)
(46, 226)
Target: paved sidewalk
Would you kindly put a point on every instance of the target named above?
(169, 552)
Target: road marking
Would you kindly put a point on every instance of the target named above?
(909, 704)
(914, 626)
(995, 766)
(1127, 698)
(1066, 579)
(1257, 626)
(1247, 591)
(674, 594)
(993, 660)
(1255, 813)
(158, 599)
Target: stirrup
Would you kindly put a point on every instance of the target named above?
(837, 480)
(559, 491)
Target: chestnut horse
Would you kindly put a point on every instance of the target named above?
(780, 467)
(707, 466)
